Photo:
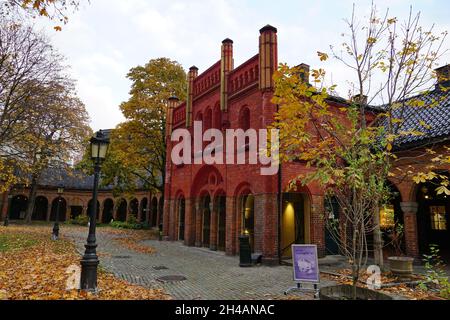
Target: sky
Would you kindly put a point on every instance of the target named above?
(106, 38)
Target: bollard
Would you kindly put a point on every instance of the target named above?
(160, 231)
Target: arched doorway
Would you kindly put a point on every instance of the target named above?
(76, 208)
(62, 209)
(181, 218)
(391, 217)
(154, 212)
(18, 207)
(161, 210)
(433, 218)
(134, 207)
(122, 210)
(221, 221)
(40, 209)
(108, 210)
(90, 205)
(143, 210)
(293, 221)
(248, 218)
(206, 220)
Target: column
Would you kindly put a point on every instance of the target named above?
(230, 233)
(410, 228)
(317, 224)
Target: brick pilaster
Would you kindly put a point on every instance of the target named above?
(410, 228)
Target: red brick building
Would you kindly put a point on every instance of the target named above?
(211, 205)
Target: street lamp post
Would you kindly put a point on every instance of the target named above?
(55, 234)
(6, 222)
(89, 262)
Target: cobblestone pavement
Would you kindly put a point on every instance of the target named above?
(209, 275)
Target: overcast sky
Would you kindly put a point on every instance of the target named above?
(106, 38)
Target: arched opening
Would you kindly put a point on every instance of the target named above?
(122, 210)
(221, 221)
(206, 220)
(143, 210)
(90, 207)
(154, 212)
(62, 209)
(76, 208)
(18, 207)
(181, 218)
(208, 119)
(40, 209)
(293, 221)
(433, 218)
(134, 207)
(248, 218)
(108, 210)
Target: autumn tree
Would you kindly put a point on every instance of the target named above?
(28, 63)
(348, 143)
(52, 9)
(58, 135)
(137, 153)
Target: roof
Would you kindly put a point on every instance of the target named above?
(431, 118)
(54, 177)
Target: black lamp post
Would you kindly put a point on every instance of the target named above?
(55, 234)
(89, 262)
(6, 222)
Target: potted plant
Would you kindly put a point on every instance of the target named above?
(400, 265)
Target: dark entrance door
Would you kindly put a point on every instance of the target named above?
(206, 222)
(332, 216)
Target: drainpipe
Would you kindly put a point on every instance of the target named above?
(279, 198)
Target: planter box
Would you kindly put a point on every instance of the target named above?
(345, 292)
(402, 267)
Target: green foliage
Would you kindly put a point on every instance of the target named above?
(435, 272)
(131, 223)
(81, 220)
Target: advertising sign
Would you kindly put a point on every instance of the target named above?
(305, 262)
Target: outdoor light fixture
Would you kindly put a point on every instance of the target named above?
(99, 147)
(89, 262)
(55, 234)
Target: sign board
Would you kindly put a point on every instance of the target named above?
(306, 263)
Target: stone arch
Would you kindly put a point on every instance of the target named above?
(62, 209)
(90, 207)
(40, 208)
(76, 207)
(143, 209)
(207, 178)
(121, 213)
(134, 207)
(108, 210)
(18, 207)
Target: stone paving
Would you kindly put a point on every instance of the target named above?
(209, 274)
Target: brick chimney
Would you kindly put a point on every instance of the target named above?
(192, 74)
(304, 72)
(172, 103)
(268, 57)
(443, 77)
(226, 65)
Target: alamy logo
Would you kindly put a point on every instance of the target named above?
(258, 146)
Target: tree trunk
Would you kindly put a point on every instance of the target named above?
(378, 240)
(31, 200)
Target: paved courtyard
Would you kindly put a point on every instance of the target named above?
(209, 275)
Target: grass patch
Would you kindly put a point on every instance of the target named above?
(16, 241)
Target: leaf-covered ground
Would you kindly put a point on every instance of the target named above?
(32, 266)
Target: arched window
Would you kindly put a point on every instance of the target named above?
(244, 119)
